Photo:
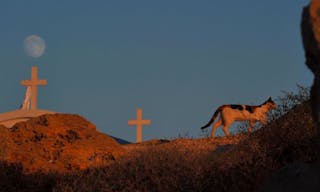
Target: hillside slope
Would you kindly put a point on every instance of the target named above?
(58, 142)
(242, 162)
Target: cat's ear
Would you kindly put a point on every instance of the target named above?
(270, 99)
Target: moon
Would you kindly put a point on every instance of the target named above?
(34, 46)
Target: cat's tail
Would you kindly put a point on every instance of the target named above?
(213, 117)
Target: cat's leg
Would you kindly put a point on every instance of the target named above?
(251, 125)
(264, 121)
(226, 127)
(215, 126)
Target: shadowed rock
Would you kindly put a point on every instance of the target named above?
(305, 177)
(310, 30)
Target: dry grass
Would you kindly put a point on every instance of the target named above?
(12, 178)
(238, 163)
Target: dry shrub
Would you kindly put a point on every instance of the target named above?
(288, 138)
(201, 165)
(13, 179)
(163, 168)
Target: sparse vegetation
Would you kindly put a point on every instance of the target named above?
(239, 163)
(12, 178)
(285, 103)
(289, 100)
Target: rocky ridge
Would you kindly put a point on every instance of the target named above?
(57, 142)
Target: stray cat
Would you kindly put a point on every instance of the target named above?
(231, 113)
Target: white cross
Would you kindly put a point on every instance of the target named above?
(139, 122)
(34, 82)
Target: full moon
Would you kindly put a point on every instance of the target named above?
(34, 46)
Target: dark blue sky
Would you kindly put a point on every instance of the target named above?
(178, 60)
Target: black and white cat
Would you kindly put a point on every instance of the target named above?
(231, 113)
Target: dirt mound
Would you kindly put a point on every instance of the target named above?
(57, 142)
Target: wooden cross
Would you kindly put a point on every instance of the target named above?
(34, 83)
(139, 122)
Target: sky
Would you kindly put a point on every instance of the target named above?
(176, 59)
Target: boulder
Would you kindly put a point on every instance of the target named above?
(305, 177)
(58, 143)
(310, 31)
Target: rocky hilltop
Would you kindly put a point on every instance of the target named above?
(57, 142)
(243, 162)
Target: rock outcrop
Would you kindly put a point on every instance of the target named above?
(310, 30)
(305, 177)
(57, 142)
